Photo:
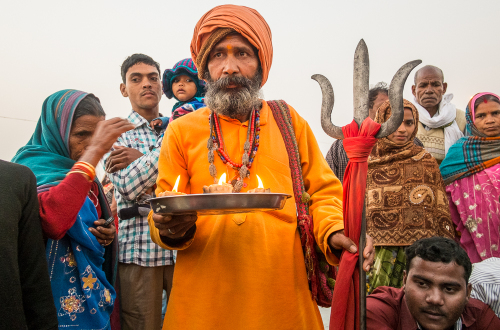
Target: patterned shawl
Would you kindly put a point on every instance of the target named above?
(83, 295)
(472, 153)
(405, 196)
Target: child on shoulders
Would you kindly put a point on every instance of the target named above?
(182, 83)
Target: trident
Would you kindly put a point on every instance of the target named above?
(361, 111)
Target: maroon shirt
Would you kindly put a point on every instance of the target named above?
(386, 309)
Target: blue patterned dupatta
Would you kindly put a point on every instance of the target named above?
(82, 293)
(83, 296)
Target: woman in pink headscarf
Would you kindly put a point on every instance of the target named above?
(471, 171)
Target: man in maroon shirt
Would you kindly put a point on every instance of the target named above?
(435, 295)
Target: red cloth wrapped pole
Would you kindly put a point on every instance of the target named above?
(358, 144)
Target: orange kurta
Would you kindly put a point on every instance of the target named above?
(249, 275)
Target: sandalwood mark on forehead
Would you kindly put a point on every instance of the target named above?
(229, 47)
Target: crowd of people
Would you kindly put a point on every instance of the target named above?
(84, 255)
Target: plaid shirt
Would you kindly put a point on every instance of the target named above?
(337, 157)
(134, 240)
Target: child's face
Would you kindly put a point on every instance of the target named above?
(184, 88)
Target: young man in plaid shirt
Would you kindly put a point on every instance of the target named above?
(144, 268)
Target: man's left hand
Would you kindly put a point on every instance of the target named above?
(104, 235)
(338, 241)
(121, 157)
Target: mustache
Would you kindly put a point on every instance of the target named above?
(225, 82)
(148, 91)
(435, 311)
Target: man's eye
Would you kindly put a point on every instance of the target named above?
(154, 78)
(450, 289)
(135, 79)
(217, 54)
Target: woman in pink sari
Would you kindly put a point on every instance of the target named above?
(471, 173)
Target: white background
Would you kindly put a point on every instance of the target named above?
(46, 46)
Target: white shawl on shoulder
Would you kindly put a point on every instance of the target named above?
(444, 118)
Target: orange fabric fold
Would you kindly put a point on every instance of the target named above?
(246, 21)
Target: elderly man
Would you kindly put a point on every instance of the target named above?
(243, 271)
(436, 293)
(441, 123)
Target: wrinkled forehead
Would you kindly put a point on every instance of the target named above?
(233, 40)
(429, 74)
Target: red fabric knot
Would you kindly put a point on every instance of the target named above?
(358, 143)
(358, 148)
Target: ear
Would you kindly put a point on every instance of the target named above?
(445, 87)
(123, 90)
(404, 278)
(469, 290)
(413, 90)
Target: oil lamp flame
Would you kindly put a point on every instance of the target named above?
(176, 183)
(260, 183)
(222, 179)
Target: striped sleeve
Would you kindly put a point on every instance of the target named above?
(485, 280)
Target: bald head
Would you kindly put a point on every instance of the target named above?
(431, 69)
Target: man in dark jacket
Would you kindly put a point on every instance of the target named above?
(25, 293)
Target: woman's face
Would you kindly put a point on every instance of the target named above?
(80, 135)
(487, 118)
(404, 132)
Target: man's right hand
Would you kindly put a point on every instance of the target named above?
(174, 226)
(120, 158)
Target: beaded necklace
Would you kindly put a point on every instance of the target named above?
(216, 143)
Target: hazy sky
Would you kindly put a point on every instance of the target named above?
(46, 46)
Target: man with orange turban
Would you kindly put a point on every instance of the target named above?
(243, 271)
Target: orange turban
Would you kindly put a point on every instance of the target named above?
(227, 18)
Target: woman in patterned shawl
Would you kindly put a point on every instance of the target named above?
(471, 173)
(70, 138)
(405, 198)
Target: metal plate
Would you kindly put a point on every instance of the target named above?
(215, 204)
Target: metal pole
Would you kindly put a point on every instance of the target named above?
(362, 274)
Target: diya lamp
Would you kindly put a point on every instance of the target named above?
(220, 188)
(174, 191)
(260, 189)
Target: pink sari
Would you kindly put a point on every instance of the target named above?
(475, 210)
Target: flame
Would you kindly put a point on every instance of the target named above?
(222, 179)
(260, 183)
(176, 183)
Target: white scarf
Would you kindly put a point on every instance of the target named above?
(446, 114)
